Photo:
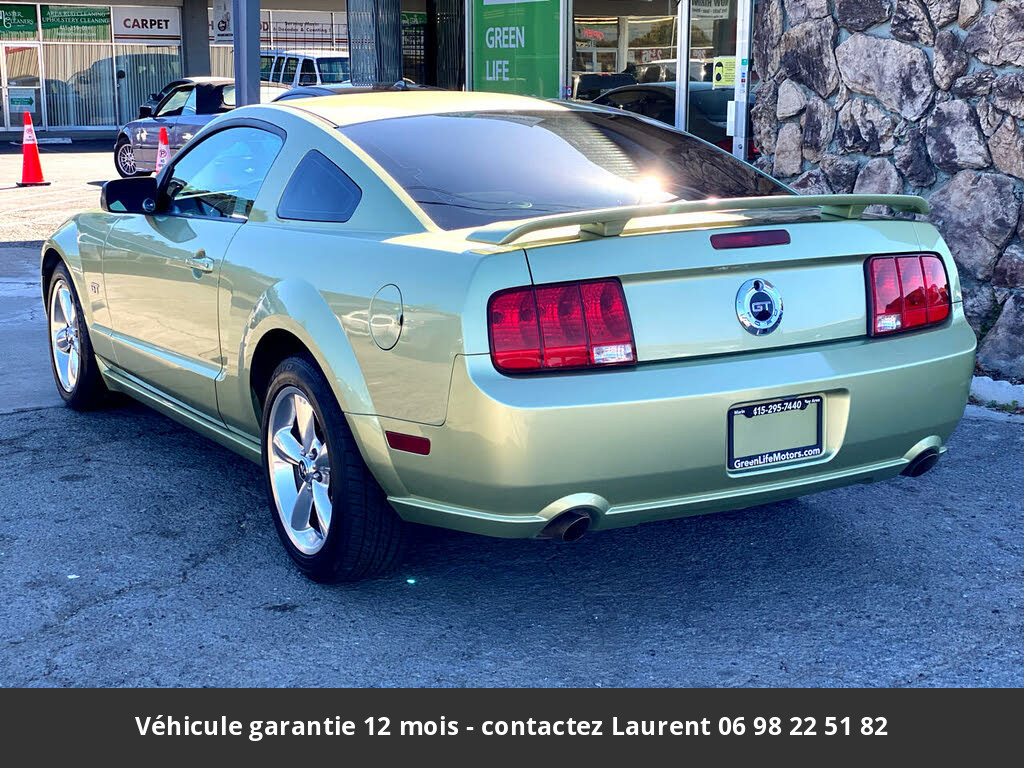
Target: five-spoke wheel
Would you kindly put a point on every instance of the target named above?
(300, 471)
(331, 515)
(66, 345)
(75, 370)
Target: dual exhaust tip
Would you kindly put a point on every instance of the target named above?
(921, 463)
(571, 525)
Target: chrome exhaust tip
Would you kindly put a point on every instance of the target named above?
(921, 463)
(568, 526)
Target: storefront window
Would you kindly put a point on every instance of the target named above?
(143, 70)
(75, 24)
(79, 85)
(18, 22)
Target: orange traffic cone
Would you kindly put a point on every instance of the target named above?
(31, 170)
(163, 150)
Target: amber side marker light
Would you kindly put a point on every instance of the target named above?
(408, 443)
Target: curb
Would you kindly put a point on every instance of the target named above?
(986, 390)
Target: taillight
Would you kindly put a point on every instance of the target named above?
(907, 292)
(568, 325)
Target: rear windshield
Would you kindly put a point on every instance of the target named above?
(472, 169)
(333, 69)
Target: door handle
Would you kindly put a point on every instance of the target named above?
(200, 262)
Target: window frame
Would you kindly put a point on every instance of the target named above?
(165, 175)
(301, 72)
(167, 98)
(284, 69)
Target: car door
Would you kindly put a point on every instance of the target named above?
(147, 134)
(161, 271)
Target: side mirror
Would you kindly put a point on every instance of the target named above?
(145, 110)
(132, 195)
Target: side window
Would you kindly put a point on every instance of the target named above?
(190, 103)
(307, 75)
(275, 75)
(627, 100)
(318, 191)
(174, 102)
(266, 62)
(661, 108)
(222, 175)
(289, 70)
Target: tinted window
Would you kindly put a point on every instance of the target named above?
(333, 69)
(319, 191)
(174, 102)
(222, 175)
(289, 70)
(471, 169)
(276, 71)
(307, 75)
(266, 62)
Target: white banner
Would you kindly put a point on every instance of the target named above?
(710, 9)
(152, 24)
(291, 27)
(220, 22)
(221, 31)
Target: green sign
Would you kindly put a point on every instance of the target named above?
(516, 46)
(414, 19)
(75, 23)
(17, 22)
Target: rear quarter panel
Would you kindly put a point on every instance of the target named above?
(317, 280)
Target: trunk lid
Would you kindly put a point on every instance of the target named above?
(682, 292)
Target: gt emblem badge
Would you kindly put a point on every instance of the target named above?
(759, 307)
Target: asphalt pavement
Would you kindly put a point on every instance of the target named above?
(134, 552)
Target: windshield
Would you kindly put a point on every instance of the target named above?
(333, 69)
(472, 169)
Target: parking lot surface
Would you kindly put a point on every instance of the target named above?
(136, 553)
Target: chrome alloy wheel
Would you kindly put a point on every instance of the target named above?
(126, 159)
(300, 470)
(65, 344)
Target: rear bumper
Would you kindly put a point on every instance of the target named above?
(650, 443)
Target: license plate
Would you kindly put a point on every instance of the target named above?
(775, 432)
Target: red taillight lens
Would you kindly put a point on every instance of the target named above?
(569, 325)
(515, 335)
(907, 292)
(560, 312)
(937, 288)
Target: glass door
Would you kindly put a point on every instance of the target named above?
(716, 77)
(21, 84)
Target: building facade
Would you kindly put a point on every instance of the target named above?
(924, 97)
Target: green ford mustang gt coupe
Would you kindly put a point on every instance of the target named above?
(507, 316)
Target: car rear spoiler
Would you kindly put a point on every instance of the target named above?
(610, 222)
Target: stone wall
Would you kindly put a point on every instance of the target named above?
(918, 96)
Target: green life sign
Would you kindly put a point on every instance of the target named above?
(17, 22)
(515, 46)
(77, 24)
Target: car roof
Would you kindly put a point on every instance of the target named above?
(349, 109)
(204, 79)
(311, 53)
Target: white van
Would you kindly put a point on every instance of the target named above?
(294, 68)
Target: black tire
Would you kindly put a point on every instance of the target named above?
(365, 537)
(88, 390)
(122, 142)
